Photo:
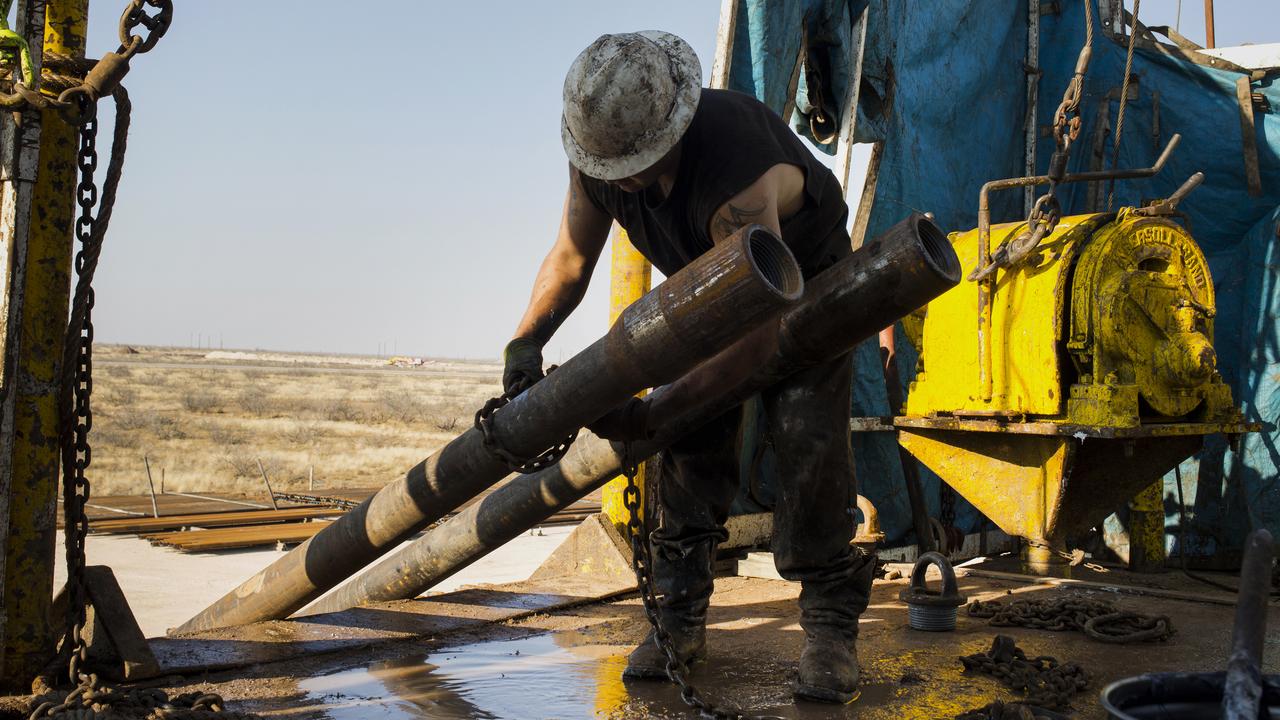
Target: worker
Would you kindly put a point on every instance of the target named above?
(681, 168)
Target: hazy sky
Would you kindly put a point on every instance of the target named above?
(337, 176)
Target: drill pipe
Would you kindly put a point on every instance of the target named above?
(734, 287)
(894, 274)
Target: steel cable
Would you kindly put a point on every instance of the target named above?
(1124, 100)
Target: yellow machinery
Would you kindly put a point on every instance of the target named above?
(1056, 388)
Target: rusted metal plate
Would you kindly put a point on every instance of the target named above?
(210, 520)
(230, 538)
(114, 631)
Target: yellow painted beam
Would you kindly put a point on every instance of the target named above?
(629, 277)
(44, 294)
(1146, 529)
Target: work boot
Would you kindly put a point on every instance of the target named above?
(648, 662)
(828, 669)
(683, 580)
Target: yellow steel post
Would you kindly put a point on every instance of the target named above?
(41, 295)
(629, 278)
(1146, 529)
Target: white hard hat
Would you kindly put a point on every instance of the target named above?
(628, 99)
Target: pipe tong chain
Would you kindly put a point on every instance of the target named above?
(524, 466)
(642, 565)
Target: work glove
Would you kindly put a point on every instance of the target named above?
(625, 423)
(522, 365)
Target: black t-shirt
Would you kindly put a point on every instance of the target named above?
(732, 141)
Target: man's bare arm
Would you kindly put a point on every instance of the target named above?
(774, 196)
(562, 280)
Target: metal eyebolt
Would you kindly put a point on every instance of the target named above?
(928, 610)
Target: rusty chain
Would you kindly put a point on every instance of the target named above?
(999, 710)
(1099, 619)
(1047, 211)
(525, 466)
(1043, 680)
(78, 103)
(642, 565)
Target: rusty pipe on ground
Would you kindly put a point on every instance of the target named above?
(894, 274)
(725, 293)
(1242, 692)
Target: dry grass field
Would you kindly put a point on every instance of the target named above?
(205, 418)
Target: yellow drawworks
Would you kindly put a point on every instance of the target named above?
(1102, 368)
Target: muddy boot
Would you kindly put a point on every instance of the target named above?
(682, 578)
(828, 669)
(648, 662)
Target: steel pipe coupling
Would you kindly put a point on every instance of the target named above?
(901, 270)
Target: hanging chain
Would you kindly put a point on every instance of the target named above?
(642, 564)
(76, 451)
(1047, 211)
(525, 466)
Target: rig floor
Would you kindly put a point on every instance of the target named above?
(524, 650)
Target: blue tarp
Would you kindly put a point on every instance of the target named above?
(944, 89)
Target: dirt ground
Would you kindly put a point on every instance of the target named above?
(566, 664)
(205, 418)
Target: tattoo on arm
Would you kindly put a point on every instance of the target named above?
(733, 216)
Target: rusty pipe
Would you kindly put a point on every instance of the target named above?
(734, 287)
(894, 274)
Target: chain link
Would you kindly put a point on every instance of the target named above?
(1099, 619)
(524, 466)
(1047, 212)
(998, 710)
(77, 454)
(1043, 680)
(642, 565)
(157, 25)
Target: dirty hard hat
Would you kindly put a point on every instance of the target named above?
(628, 98)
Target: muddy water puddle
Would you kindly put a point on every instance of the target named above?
(551, 676)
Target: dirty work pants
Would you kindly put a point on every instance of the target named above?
(813, 519)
